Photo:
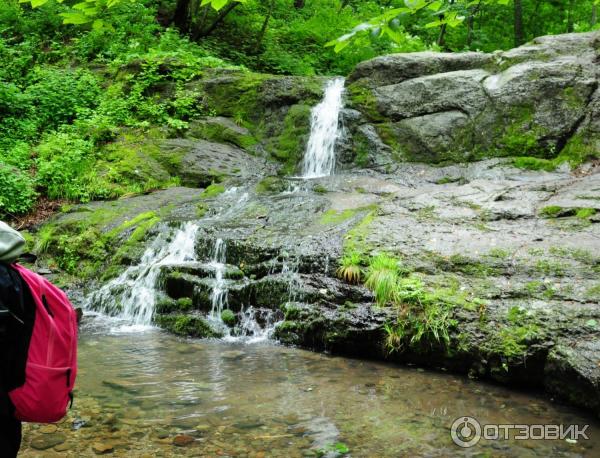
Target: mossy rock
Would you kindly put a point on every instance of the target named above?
(271, 185)
(187, 325)
(228, 317)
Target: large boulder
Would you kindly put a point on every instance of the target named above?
(537, 100)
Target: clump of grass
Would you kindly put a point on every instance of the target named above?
(382, 277)
(44, 239)
(423, 316)
(350, 268)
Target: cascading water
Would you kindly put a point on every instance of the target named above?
(248, 329)
(132, 295)
(218, 294)
(325, 130)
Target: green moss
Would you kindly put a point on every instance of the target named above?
(520, 137)
(212, 191)
(552, 211)
(593, 293)
(362, 98)
(214, 131)
(228, 317)
(534, 163)
(585, 213)
(469, 266)
(337, 217)
(201, 210)
(186, 325)
(184, 304)
(165, 305)
(573, 99)
(271, 185)
(291, 311)
(578, 150)
(319, 189)
(133, 164)
(356, 238)
(288, 147)
(550, 267)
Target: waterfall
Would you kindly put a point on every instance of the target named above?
(218, 294)
(132, 295)
(319, 158)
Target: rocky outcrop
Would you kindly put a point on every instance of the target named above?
(538, 100)
(510, 255)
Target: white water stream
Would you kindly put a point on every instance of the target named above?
(132, 295)
(325, 130)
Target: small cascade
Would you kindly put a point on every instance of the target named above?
(289, 269)
(218, 294)
(325, 130)
(132, 295)
(252, 325)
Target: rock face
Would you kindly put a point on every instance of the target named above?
(537, 100)
(513, 255)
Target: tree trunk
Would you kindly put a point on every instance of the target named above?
(265, 25)
(570, 11)
(222, 15)
(180, 18)
(442, 36)
(471, 23)
(519, 35)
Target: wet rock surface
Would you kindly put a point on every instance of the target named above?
(485, 231)
(518, 251)
(537, 100)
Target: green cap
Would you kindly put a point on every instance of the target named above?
(11, 243)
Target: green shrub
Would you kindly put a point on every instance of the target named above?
(17, 192)
(64, 166)
(60, 96)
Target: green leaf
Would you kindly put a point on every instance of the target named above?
(433, 24)
(98, 24)
(435, 6)
(341, 45)
(37, 3)
(415, 4)
(75, 18)
(340, 447)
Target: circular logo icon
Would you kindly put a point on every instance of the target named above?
(465, 432)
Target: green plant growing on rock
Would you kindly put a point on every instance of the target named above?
(382, 276)
(212, 190)
(350, 268)
(422, 316)
(585, 213)
(228, 317)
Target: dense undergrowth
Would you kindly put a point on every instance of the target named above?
(68, 93)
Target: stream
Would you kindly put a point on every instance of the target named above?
(151, 394)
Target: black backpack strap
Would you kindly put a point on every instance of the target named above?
(17, 314)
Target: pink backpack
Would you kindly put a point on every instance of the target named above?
(52, 356)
